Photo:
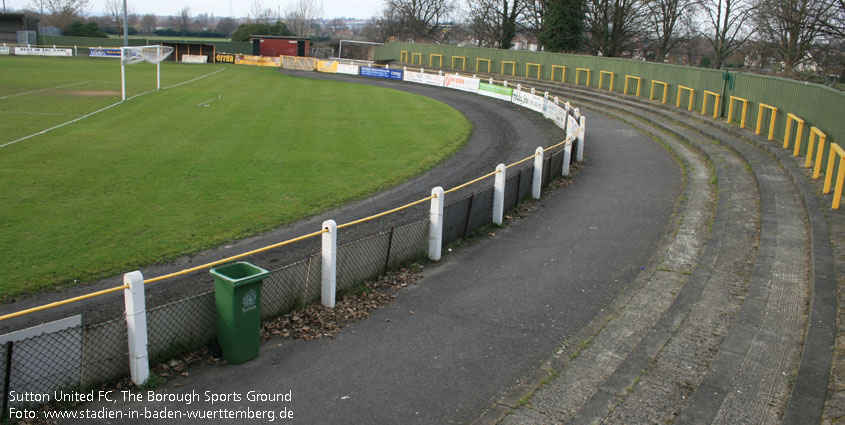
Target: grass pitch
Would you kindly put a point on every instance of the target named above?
(183, 169)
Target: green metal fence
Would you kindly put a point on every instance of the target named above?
(817, 105)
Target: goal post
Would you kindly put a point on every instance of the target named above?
(134, 54)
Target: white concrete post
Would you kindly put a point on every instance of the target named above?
(329, 255)
(557, 101)
(567, 107)
(518, 86)
(583, 128)
(422, 70)
(490, 80)
(435, 233)
(440, 72)
(404, 69)
(567, 158)
(546, 95)
(533, 91)
(499, 194)
(538, 173)
(505, 83)
(136, 327)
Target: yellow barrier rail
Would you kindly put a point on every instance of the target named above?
(760, 119)
(513, 67)
(562, 74)
(601, 79)
(665, 90)
(439, 60)
(681, 90)
(639, 84)
(716, 102)
(414, 57)
(835, 151)
(375, 216)
(471, 182)
(815, 132)
(463, 62)
(528, 67)
(487, 61)
(578, 75)
(63, 302)
(744, 110)
(786, 134)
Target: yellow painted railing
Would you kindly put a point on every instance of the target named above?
(835, 152)
(774, 113)
(477, 65)
(744, 110)
(815, 133)
(601, 79)
(562, 74)
(665, 90)
(639, 84)
(414, 57)
(528, 68)
(463, 62)
(439, 60)
(789, 118)
(716, 102)
(578, 72)
(681, 90)
(513, 67)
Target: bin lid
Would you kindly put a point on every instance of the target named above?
(239, 273)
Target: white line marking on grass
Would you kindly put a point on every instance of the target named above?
(206, 103)
(103, 109)
(40, 90)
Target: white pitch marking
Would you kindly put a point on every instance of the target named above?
(40, 90)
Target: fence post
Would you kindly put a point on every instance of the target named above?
(7, 379)
(567, 158)
(435, 233)
(499, 194)
(579, 156)
(329, 259)
(538, 173)
(136, 327)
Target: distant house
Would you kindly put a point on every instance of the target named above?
(11, 23)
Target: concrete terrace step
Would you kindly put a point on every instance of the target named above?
(717, 354)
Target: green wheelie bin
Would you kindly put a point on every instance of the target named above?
(237, 293)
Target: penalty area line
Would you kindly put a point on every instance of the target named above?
(104, 109)
(40, 90)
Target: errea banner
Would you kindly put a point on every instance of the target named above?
(492, 90)
(99, 52)
(393, 74)
(462, 83)
(423, 78)
(42, 51)
(528, 100)
(224, 58)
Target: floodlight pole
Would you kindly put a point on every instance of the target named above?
(125, 26)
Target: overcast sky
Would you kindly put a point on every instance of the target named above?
(238, 8)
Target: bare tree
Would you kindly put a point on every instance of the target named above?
(726, 29)
(417, 19)
(259, 14)
(114, 8)
(614, 25)
(226, 26)
(497, 19)
(668, 23)
(62, 12)
(149, 23)
(535, 16)
(183, 20)
(793, 26)
(301, 14)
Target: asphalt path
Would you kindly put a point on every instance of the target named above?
(485, 316)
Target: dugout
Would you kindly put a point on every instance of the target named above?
(277, 45)
(181, 48)
(11, 23)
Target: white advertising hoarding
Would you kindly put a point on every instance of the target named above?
(528, 100)
(42, 51)
(422, 78)
(343, 68)
(462, 83)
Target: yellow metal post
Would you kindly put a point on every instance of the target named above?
(835, 151)
(578, 75)
(744, 110)
(681, 90)
(639, 84)
(513, 67)
(789, 118)
(528, 67)
(414, 57)
(478, 61)
(403, 56)
(562, 75)
(463, 62)
(439, 60)
(815, 132)
(715, 103)
(665, 90)
(760, 119)
(601, 79)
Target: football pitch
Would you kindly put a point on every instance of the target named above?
(220, 153)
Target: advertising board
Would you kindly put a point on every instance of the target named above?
(423, 78)
(5, 50)
(343, 68)
(258, 60)
(194, 59)
(100, 52)
(462, 83)
(492, 90)
(42, 51)
(393, 74)
(572, 128)
(224, 58)
(327, 66)
(528, 100)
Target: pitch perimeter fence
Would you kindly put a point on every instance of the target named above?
(70, 354)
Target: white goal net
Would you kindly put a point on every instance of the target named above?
(134, 54)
